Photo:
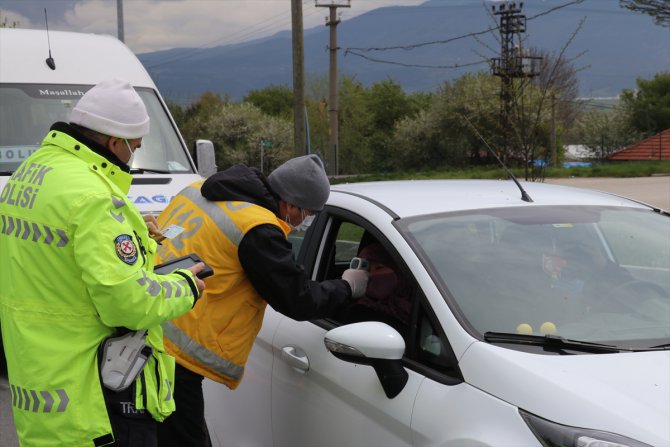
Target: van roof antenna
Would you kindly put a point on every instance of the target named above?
(524, 195)
(50, 60)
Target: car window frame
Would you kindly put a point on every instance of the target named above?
(322, 233)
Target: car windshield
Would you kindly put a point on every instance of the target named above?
(585, 273)
(27, 111)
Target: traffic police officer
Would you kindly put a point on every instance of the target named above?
(77, 263)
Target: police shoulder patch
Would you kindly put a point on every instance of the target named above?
(125, 248)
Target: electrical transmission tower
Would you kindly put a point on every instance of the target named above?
(514, 62)
(332, 21)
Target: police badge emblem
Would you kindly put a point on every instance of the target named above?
(125, 248)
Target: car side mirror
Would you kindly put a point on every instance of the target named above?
(205, 160)
(374, 344)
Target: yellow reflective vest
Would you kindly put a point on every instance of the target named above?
(214, 338)
(76, 261)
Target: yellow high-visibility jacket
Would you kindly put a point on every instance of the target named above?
(214, 339)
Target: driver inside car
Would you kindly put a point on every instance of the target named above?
(387, 296)
(596, 278)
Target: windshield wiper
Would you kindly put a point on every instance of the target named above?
(155, 171)
(552, 342)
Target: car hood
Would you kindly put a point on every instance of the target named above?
(624, 393)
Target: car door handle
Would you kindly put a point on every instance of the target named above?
(295, 357)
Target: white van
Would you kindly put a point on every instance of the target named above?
(43, 76)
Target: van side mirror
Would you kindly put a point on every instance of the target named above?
(375, 344)
(205, 160)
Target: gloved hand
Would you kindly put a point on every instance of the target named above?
(358, 281)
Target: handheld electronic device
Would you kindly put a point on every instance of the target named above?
(359, 264)
(183, 262)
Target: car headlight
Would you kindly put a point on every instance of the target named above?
(551, 434)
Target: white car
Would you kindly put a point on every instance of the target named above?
(536, 322)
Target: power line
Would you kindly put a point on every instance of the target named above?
(402, 64)
(452, 39)
(269, 23)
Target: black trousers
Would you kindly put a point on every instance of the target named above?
(134, 432)
(131, 427)
(186, 427)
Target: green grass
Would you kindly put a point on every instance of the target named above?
(622, 169)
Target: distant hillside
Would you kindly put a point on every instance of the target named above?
(619, 46)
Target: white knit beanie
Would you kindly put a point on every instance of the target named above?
(302, 181)
(112, 108)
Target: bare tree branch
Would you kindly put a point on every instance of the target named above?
(658, 9)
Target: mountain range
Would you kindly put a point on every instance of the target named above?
(609, 46)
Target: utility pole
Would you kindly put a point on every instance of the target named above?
(299, 145)
(119, 20)
(552, 141)
(513, 63)
(332, 22)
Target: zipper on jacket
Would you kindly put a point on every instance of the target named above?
(144, 391)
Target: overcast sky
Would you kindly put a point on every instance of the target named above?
(151, 25)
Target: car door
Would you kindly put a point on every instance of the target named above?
(242, 417)
(320, 400)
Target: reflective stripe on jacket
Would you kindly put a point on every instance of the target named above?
(215, 337)
(76, 262)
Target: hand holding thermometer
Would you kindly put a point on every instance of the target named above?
(359, 264)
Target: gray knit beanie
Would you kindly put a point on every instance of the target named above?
(301, 181)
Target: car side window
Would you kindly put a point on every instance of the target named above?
(348, 240)
(426, 347)
(431, 348)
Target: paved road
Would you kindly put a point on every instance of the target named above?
(652, 190)
(7, 432)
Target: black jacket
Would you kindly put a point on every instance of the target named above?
(267, 256)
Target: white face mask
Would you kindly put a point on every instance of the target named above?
(132, 154)
(304, 225)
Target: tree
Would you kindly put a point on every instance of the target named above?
(604, 131)
(648, 107)
(440, 136)
(237, 131)
(387, 103)
(367, 117)
(276, 100)
(188, 118)
(355, 128)
(5, 23)
(658, 9)
(544, 106)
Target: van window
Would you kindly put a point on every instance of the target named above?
(27, 111)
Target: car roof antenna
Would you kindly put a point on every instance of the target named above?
(524, 195)
(50, 60)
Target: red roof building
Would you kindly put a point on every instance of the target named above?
(656, 147)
